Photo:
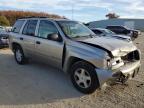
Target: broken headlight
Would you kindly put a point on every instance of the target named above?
(114, 63)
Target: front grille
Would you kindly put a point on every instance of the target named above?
(132, 56)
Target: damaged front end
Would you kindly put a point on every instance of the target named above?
(122, 67)
(121, 62)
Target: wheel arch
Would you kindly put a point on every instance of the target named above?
(14, 45)
(73, 60)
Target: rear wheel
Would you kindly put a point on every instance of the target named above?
(84, 77)
(19, 55)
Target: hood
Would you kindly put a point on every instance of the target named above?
(115, 46)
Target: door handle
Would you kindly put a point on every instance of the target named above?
(38, 42)
(21, 38)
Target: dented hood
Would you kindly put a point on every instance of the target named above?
(115, 46)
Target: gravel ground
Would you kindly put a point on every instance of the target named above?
(37, 85)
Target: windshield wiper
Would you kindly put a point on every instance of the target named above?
(77, 37)
(93, 35)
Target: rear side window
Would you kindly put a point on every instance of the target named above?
(121, 28)
(30, 27)
(17, 26)
(111, 27)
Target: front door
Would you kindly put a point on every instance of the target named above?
(48, 50)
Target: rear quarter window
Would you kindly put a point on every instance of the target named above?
(17, 26)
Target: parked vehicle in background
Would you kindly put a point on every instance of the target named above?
(69, 45)
(3, 37)
(8, 29)
(109, 33)
(124, 30)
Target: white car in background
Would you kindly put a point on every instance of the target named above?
(109, 33)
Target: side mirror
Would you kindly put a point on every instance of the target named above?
(54, 37)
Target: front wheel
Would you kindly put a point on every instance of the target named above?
(84, 77)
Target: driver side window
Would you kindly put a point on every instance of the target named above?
(46, 28)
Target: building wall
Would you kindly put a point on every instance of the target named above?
(131, 23)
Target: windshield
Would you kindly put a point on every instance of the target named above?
(74, 29)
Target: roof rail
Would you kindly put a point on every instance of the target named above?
(33, 17)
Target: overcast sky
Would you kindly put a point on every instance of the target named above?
(84, 10)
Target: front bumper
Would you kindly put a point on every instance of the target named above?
(129, 70)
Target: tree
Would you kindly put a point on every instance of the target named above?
(12, 16)
(112, 15)
(4, 21)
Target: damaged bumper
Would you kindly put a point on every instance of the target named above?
(127, 71)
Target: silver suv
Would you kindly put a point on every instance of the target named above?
(90, 60)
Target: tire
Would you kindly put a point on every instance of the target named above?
(19, 55)
(90, 80)
(135, 35)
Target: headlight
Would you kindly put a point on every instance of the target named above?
(114, 63)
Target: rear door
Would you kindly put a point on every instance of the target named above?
(49, 50)
(28, 37)
(15, 34)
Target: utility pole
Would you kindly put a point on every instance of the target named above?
(72, 11)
